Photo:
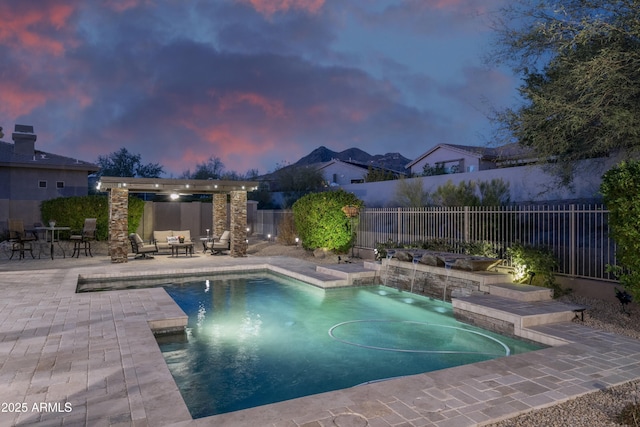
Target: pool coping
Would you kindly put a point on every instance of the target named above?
(97, 352)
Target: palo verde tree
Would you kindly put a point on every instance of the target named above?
(321, 221)
(620, 188)
(410, 193)
(580, 64)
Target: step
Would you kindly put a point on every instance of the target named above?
(353, 273)
(521, 292)
(506, 315)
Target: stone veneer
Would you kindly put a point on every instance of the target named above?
(238, 223)
(219, 213)
(489, 322)
(118, 224)
(436, 282)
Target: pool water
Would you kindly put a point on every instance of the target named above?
(260, 339)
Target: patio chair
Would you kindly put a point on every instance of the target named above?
(84, 238)
(220, 245)
(20, 240)
(140, 248)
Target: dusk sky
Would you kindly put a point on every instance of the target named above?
(254, 82)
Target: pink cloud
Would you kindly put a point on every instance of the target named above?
(271, 108)
(17, 101)
(269, 7)
(28, 28)
(123, 5)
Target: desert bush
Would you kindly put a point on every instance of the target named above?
(287, 230)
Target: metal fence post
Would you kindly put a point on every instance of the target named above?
(573, 250)
(466, 226)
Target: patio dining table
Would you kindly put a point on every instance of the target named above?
(52, 235)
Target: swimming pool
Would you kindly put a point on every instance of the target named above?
(261, 339)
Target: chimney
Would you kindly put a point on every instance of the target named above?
(24, 140)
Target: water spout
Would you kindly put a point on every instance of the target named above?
(415, 264)
(448, 263)
(390, 255)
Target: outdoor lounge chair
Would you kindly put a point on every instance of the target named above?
(84, 238)
(220, 245)
(140, 248)
(20, 241)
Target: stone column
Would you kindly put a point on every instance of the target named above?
(238, 223)
(219, 214)
(118, 224)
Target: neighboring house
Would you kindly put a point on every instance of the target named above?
(341, 172)
(452, 158)
(30, 176)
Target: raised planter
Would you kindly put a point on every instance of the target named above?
(447, 259)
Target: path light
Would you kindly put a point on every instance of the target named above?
(269, 237)
(625, 298)
(297, 241)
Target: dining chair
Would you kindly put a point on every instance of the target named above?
(84, 238)
(20, 241)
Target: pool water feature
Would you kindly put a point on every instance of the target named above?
(262, 339)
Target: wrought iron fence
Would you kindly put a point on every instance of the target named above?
(577, 234)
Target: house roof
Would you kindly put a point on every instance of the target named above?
(41, 159)
(504, 152)
(359, 165)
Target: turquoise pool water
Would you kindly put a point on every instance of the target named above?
(261, 339)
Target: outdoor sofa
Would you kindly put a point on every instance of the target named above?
(161, 238)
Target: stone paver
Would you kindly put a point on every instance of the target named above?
(92, 359)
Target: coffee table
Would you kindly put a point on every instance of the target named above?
(187, 246)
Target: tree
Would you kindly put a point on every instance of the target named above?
(375, 174)
(620, 188)
(410, 193)
(124, 164)
(211, 169)
(580, 63)
(494, 193)
(449, 194)
(297, 181)
(438, 169)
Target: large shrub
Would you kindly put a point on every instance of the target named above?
(71, 212)
(321, 222)
(620, 188)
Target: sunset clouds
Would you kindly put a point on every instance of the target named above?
(254, 82)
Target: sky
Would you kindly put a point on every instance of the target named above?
(257, 83)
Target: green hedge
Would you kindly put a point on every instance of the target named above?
(72, 211)
(321, 223)
(620, 188)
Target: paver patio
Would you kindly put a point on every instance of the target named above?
(92, 359)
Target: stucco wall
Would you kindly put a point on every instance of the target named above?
(527, 184)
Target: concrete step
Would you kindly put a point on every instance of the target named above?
(508, 316)
(353, 273)
(521, 292)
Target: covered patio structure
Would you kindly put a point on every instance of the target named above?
(120, 187)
